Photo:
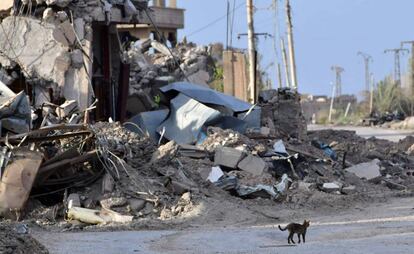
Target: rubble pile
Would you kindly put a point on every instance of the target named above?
(16, 240)
(377, 160)
(162, 164)
(47, 45)
(154, 65)
(282, 113)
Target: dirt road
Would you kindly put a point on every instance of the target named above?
(378, 228)
(367, 132)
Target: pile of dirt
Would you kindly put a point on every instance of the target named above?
(14, 242)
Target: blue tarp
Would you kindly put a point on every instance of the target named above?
(208, 96)
(186, 120)
(148, 122)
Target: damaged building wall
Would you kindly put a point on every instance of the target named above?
(44, 53)
(52, 46)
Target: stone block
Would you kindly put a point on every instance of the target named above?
(368, 170)
(228, 157)
(253, 164)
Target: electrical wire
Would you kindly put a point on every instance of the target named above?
(214, 21)
(232, 23)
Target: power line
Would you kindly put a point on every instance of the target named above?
(214, 21)
(232, 23)
(165, 44)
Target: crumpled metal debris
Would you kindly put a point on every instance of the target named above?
(186, 119)
(15, 111)
(265, 191)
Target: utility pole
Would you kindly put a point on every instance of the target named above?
(291, 45)
(332, 102)
(367, 60)
(252, 52)
(371, 100)
(228, 24)
(285, 63)
(275, 38)
(412, 63)
(338, 73)
(397, 63)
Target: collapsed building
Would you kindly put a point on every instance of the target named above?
(70, 50)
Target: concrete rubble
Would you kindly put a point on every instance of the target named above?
(368, 170)
(121, 176)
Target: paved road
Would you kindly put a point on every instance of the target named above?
(378, 228)
(369, 237)
(367, 132)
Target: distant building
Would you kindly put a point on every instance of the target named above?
(168, 20)
(317, 106)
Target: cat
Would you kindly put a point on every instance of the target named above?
(295, 228)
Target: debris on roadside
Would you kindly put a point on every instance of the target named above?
(184, 142)
(18, 240)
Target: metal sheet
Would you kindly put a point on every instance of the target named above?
(229, 122)
(253, 118)
(208, 96)
(148, 122)
(17, 180)
(186, 119)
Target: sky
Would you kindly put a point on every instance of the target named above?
(326, 33)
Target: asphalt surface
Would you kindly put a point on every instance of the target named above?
(377, 228)
(369, 234)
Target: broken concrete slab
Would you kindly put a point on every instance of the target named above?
(160, 48)
(77, 59)
(252, 164)
(228, 157)
(79, 25)
(35, 44)
(66, 108)
(113, 202)
(192, 151)
(65, 34)
(331, 187)
(368, 170)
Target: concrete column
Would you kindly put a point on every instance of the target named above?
(159, 3)
(173, 4)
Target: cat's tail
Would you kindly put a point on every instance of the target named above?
(282, 229)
